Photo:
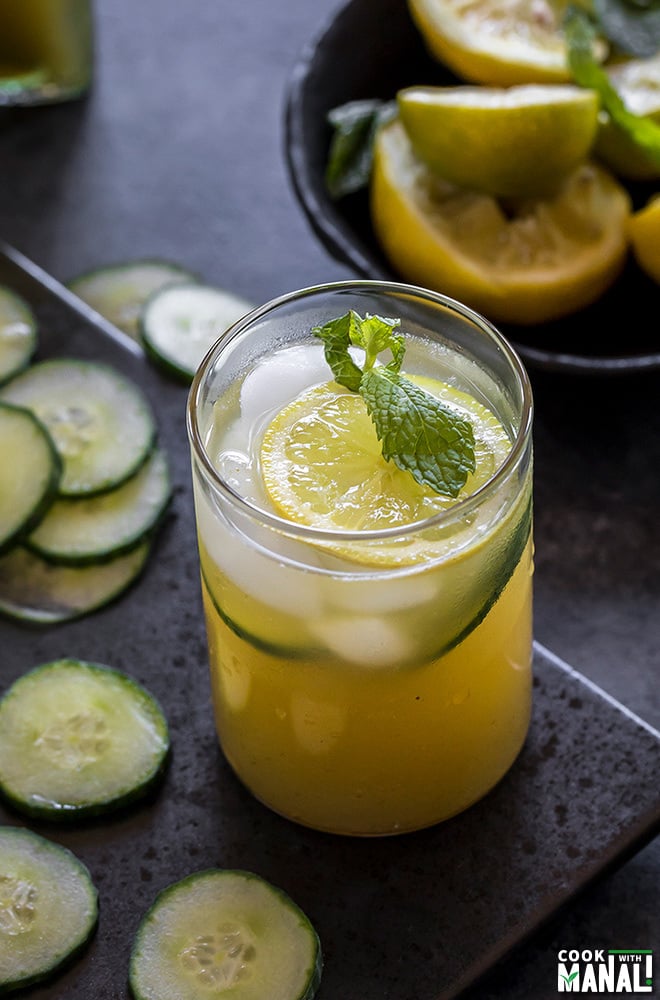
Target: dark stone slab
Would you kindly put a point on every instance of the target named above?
(413, 918)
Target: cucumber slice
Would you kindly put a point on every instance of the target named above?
(18, 333)
(286, 650)
(29, 473)
(78, 739)
(76, 532)
(229, 933)
(119, 291)
(101, 423)
(33, 590)
(180, 323)
(48, 907)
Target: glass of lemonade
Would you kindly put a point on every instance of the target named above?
(370, 640)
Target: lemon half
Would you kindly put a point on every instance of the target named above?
(637, 81)
(515, 142)
(526, 262)
(644, 229)
(497, 42)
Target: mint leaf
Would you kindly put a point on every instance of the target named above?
(350, 156)
(418, 432)
(587, 72)
(376, 334)
(337, 336)
(373, 334)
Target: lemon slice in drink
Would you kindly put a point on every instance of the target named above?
(644, 229)
(637, 81)
(514, 142)
(322, 465)
(497, 42)
(526, 261)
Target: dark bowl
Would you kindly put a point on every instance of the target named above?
(371, 49)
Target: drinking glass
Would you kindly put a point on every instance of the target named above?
(365, 682)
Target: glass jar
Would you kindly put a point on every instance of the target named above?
(46, 50)
(365, 682)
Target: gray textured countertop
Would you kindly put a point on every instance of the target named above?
(178, 153)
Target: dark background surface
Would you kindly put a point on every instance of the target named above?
(177, 153)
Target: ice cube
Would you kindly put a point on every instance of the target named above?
(236, 437)
(265, 576)
(366, 641)
(278, 379)
(379, 597)
(239, 472)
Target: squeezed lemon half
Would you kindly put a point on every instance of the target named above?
(524, 261)
(497, 42)
(512, 142)
(637, 81)
(644, 229)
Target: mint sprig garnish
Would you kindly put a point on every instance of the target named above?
(417, 431)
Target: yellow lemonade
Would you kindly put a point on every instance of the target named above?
(373, 680)
(359, 751)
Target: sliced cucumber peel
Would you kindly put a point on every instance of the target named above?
(79, 739)
(179, 324)
(118, 292)
(78, 532)
(40, 593)
(289, 651)
(225, 932)
(30, 473)
(18, 334)
(48, 908)
(101, 423)
(489, 586)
